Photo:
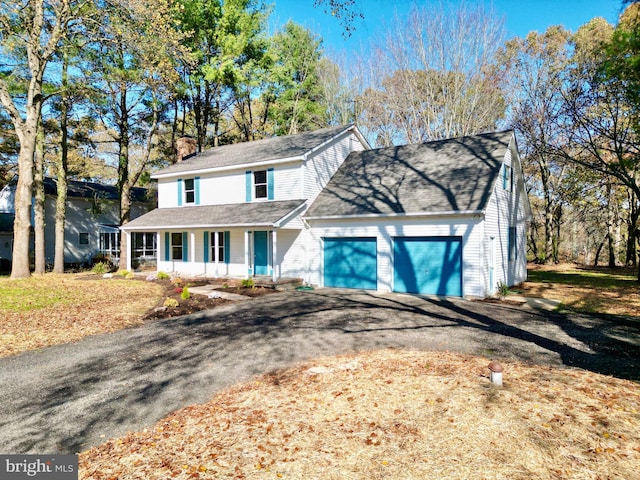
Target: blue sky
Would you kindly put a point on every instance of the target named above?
(521, 16)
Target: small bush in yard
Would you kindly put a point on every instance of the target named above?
(100, 268)
(126, 274)
(247, 283)
(185, 295)
(177, 282)
(163, 276)
(170, 303)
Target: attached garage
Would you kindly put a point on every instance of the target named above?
(351, 262)
(428, 265)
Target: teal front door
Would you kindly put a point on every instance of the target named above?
(261, 253)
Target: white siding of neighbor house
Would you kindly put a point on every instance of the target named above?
(506, 208)
(321, 165)
(469, 228)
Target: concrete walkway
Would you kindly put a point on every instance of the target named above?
(67, 398)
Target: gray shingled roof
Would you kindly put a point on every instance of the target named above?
(82, 189)
(242, 214)
(275, 148)
(453, 175)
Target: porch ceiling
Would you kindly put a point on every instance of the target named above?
(257, 214)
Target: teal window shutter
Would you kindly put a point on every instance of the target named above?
(270, 189)
(247, 176)
(167, 247)
(227, 247)
(206, 247)
(179, 192)
(185, 246)
(196, 186)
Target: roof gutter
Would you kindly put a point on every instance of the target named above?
(228, 168)
(152, 228)
(452, 213)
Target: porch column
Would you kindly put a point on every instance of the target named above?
(246, 254)
(274, 253)
(192, 247)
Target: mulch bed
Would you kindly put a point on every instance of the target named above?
(197, 303)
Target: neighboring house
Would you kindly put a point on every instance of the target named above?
(446, 218)
(92, 219)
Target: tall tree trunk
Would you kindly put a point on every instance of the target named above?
(38, 208)
(557, 223)
(610, 222)
(599, 249)
(631, 257)
(124, 189)
(62, 167)
(24, 190)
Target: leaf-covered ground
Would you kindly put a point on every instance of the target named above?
(392, 414)
(51, 309)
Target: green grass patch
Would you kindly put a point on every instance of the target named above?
(35, 293)
(583, 278)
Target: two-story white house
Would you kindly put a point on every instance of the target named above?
(236, 210)
(445, 218)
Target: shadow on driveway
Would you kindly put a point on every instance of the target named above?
(68, 398)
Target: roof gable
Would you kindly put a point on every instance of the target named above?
(445, 176)
(268, 149)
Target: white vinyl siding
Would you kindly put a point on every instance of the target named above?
(506, 209)
(320, 166)
(470, 229)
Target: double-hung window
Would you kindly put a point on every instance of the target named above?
(189, 190)
(260, 184)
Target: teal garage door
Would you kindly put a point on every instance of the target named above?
(428, 265)
(351, 263)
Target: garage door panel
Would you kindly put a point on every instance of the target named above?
(350, 262)
(428, 265)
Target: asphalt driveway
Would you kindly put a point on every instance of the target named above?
(68, 398)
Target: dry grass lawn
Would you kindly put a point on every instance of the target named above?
(587, 290)
(52, 309)
(392, 415)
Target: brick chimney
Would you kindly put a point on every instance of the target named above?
(185, 147)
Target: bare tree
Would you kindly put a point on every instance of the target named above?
(438, 75)
(535, 65)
